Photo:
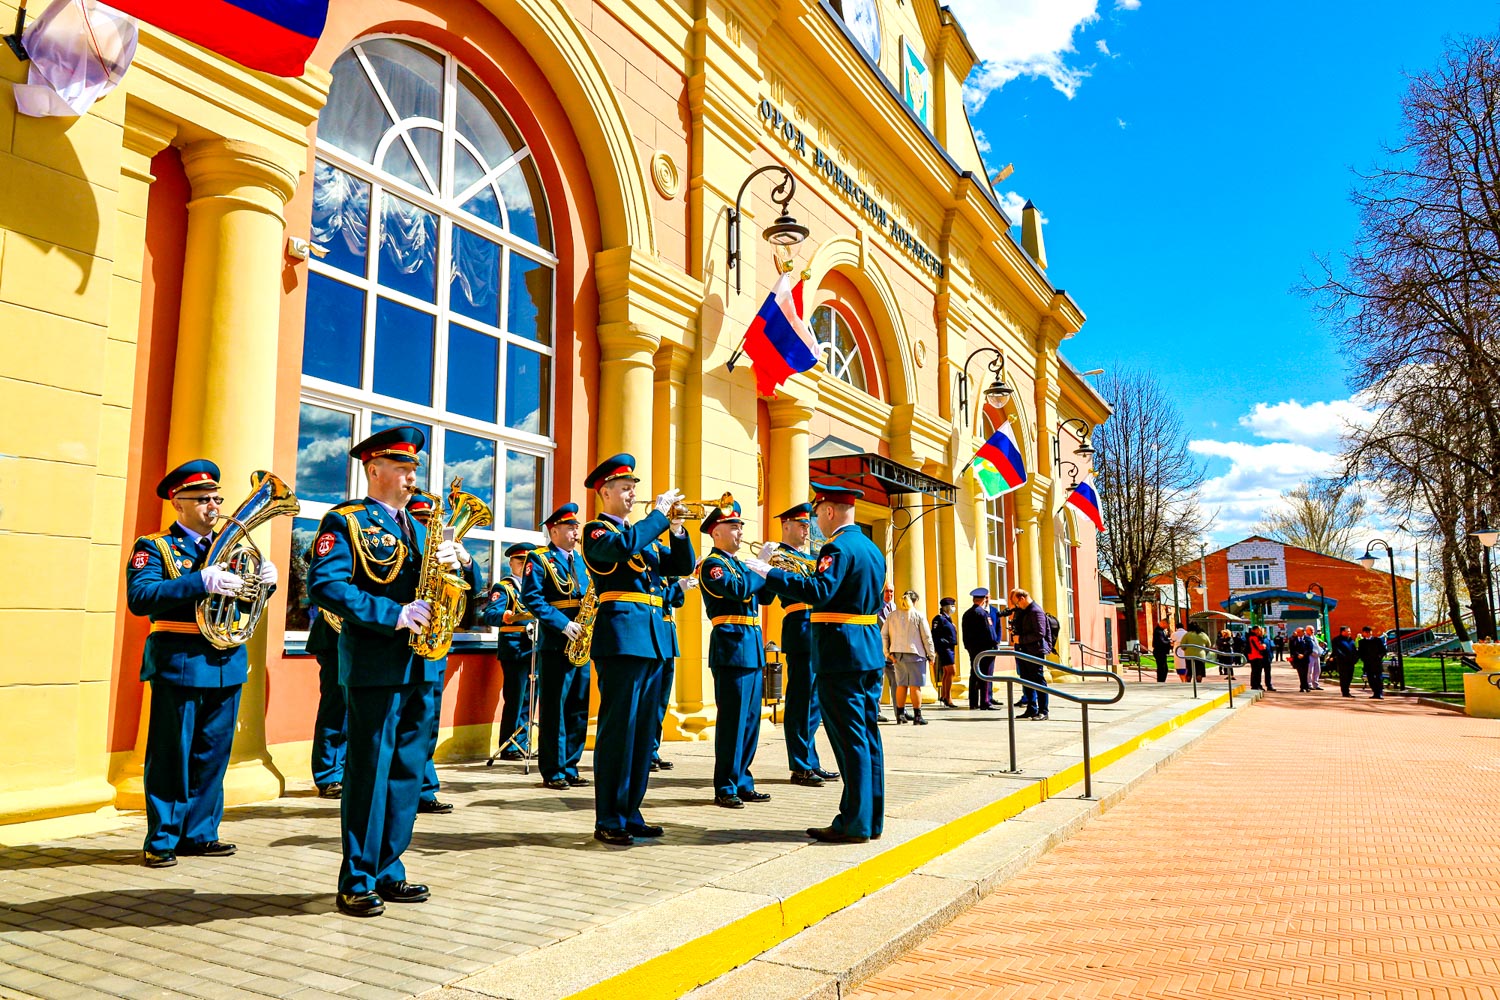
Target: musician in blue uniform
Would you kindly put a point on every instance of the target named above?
(676, 595)
(631, 640)
(803, 716)
(420, 509)
(552, 589)
(330, 742)
(195, 687)
(845, 593)
(735, 657)
(367, 562)
(506, 612)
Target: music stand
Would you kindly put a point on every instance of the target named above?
(528, 753)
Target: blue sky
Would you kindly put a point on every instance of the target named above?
(1191, 168)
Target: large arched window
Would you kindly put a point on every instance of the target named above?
(836, 334)
(430, 296)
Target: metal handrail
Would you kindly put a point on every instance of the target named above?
(1218, 658)
(1082, 701)
(1106, 655)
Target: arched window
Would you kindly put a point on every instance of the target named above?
(843, 358)
(430, 293)
(1067, 571)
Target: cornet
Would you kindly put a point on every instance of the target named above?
(683, 510)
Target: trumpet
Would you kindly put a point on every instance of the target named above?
(683, 510)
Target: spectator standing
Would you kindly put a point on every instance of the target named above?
(908, 645)
(1161, 648)
(1314, 660)
(1177, 635)
(887, 608)
(945, 642)
(1344, 654)
(1371, 649)
(978, 630)
(1193, 646)
(1281, 644)
(1028, 623)
(1299, 648)
(1258, 652)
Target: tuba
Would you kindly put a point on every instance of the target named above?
(445, 590)
(228, 621)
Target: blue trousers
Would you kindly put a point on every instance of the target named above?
(329, 738)
(980, 695)
(1032, 672)
(187, 752)
(430, 784)
(515, 713)
(803, 714)
(388, 738)
(664, 702)
(564, 707)
(851, 705)
(738, 693)
(629, 692)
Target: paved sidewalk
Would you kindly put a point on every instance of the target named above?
(1313, 847)
(514, 869)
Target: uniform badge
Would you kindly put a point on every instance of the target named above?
(388, 539)
(325, 543)
(824, 563)
(183, 564)
(717, 572)
(139, 560)
(598, 533)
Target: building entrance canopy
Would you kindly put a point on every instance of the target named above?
(883, 482)
(1281, 597)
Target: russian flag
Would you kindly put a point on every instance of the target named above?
(998, 464)
(1085, 499)
(778, 342)
(272, 36)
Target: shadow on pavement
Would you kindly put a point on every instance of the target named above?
(156, 908)
(62, 857)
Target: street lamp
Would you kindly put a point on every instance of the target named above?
(784, 232)
(1085, 438)
(1368, 562)
(1322, 604)
(1072, 474)
(1487, 538)
(996, 393)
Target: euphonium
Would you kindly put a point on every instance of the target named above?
(445, 590)
(579, 649)
(784, 557)
(228, 621)
(682, 510)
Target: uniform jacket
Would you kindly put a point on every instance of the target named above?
(552, 589)
(945, 639)
(674, 599)
(163, 582)
(729, 598)
(979, 630)
(514, 642)
(322, 635)
(796, 629)
(848, 581)
(630, 564)
(363, 570)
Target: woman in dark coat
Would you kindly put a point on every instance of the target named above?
(945, 640)
(1161, 648)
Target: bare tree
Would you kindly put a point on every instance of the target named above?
(1320, 515)
(1148, 485)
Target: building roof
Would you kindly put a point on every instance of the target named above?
(1287, 596)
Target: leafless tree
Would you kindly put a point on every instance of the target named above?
(1148, 485)
(1321, 515)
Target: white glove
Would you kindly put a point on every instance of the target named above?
(758, 566)
(689, 583)
(268, 574)
(453, 554)
(666, 500)
(767, 549)
(572, 630)
(218, 580)
(414, 616)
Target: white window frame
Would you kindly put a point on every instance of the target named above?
(839, 363)
(1257, 568)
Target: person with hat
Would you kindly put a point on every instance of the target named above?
(945, 641)
(195, 687)
(735, 657)
(845, 593)
(802, 716)
(552, 589)
(367, 561)
(632, 639)
(980, 635)
(676, 595)
(508, 614)
(420, 509)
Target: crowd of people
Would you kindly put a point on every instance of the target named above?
(1192, 649)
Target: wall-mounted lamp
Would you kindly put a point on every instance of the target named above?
(14, 40)
(996, 393)
(1085, 438)
(784, 232)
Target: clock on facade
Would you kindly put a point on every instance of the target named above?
(864, 24)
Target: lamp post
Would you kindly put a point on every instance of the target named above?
(1199, 588)
(996, 393)
(1322, 607)
(1085, 438)
(785, 231)
(1487, 537)
(1368, 562)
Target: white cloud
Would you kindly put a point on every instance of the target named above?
(1103, 47)
(1121, 122)
(1127, 4)
(981, 140)
(1023, 38)
(1014, 204)
(1318, 425)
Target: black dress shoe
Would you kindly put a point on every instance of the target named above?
(361, 904)
(828, 835)
(1028, 714)
(656, 765)
(826, 775)
(434, 806)
(808, 778)
(577, 782)
(617, 837)
(402, 892)
(644, 830)
(212, 849)
(754, 796)
(665, 765)
(728, 802)
(557, 784)
(335, 790)
(159, 859)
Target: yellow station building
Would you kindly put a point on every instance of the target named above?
(506, 221)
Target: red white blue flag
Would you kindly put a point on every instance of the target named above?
(272, 36)
(1085, 499)
(998, 464)
(778, 342)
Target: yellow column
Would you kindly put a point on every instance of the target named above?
(786, 479)
(224, 400)
(685, 718)
(627, 375)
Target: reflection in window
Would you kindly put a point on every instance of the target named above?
(324, 438)
(525, 478)
(304, 530)
(473, 460)
(843, 359)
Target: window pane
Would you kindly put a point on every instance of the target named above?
(403, 352)
(528, 312)
(474, 459)
(333, 336)
(324, 438)
(483, 552)
(483, 122)
(466, 170)
(525, 476)
(382, 421)
(527, 382)
(475, 290)
(473, 373)
(304, 530)
(398, 162)
(411, 75)
(429, 143)
(340, 217)
(525, 204)
(354, 119)
(408, 249)
(484, 205)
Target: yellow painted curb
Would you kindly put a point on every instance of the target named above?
(711, 955)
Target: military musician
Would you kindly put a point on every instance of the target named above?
(330, 742)
(803, 716)
(420, 509)
(508, 614)
(631, 640)
(195, 687)
(367, 562)
(552, 589)
(847, 657)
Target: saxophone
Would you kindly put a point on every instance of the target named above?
(578, 650)
(445, 590)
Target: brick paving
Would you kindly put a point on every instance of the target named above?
(1313, 847)
(514, 868)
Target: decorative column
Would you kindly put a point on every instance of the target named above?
(223, 406)
(685, 719)
(627, 377)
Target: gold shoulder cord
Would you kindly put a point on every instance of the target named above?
(590, 563)
(568, 588)
(167, 556)
(367, 561)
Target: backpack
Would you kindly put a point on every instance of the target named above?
(1054, 628)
